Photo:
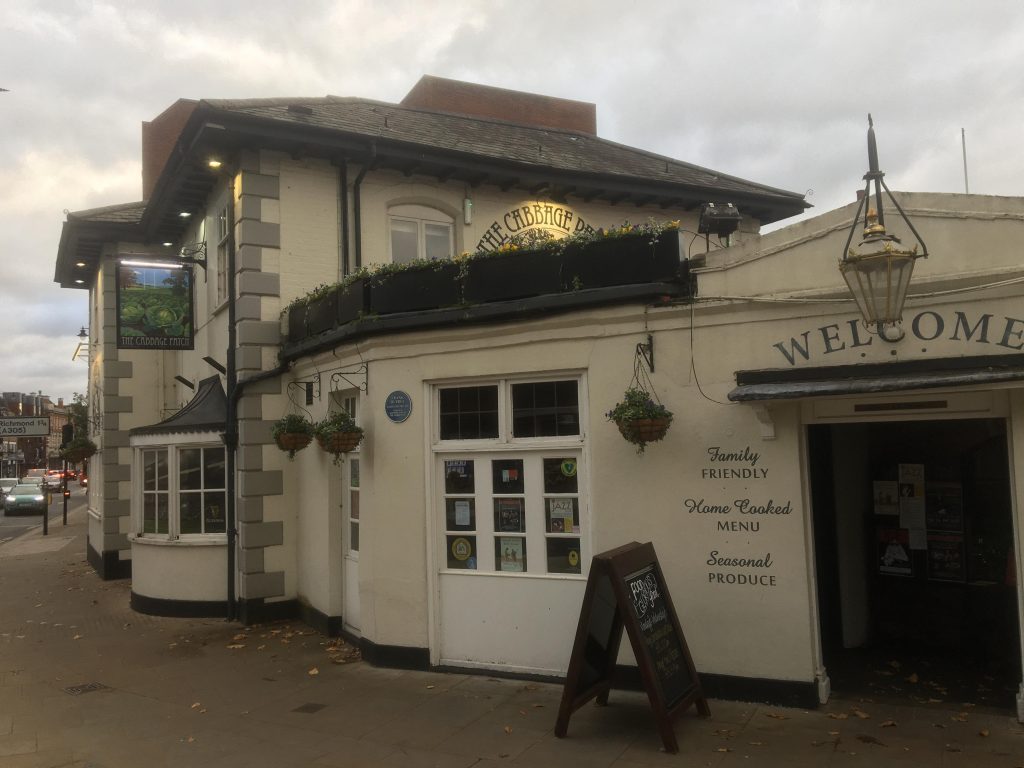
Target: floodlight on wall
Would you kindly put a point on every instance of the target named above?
(877, 271)
(720, 219)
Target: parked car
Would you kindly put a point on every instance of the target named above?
(6, 483)
(25, 499)
(32, 480)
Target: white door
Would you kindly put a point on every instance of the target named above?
(350, 544)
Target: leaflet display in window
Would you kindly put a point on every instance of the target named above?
(564, 555)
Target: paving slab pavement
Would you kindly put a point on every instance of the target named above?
(85, 682)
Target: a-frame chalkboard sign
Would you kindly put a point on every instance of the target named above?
(626, 588)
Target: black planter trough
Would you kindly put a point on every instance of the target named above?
(513, 275)
(414, 290)
(625, 260)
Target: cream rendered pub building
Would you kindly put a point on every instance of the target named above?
(459, 533)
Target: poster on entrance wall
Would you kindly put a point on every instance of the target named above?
(886, 496)
(945, 507)
(894, 556)
(912, 503)
(946, 558)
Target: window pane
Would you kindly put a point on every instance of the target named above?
(404, 236)
(190, 474)
(191, 510)
(564, 556)
(149, 513)
(353, 473)
(438, 240)
(469, 413)
(507, 475)
(460, 514)
(560, 475)
(458, 476)
(353, 536)
(213, 471)
(149, 470)
(214, 520)
(353, 504)
(161, 513)
(545, 409)
(161, 470)
(510, 554)
(461, 552)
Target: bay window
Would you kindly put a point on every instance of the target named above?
(183, 490)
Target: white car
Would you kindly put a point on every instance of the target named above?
(53, 480)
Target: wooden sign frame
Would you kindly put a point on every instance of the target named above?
(626, 589)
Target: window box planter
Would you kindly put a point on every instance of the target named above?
(625, 260)
(352, 301)
(322, 314)
(414, 290)
(297, 322)
(512, 275)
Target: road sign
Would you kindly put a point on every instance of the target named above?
(24, 426)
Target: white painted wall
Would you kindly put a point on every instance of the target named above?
(171, 570)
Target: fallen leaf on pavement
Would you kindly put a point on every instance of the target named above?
(913, 678)
(960, 717)
(197, 705)
(236, 646)
(723, 749)
(889, 724)
(313, 671)
(508, 730)
(983, 732)
(776, 716)
(838, 715)
(869, 739)
(861, 714)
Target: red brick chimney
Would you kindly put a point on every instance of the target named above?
(439, 94)
(158, 139)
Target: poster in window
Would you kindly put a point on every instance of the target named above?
(458, 476)
(154, 306)
(911, 479)
(945, 507)
(563, 515)
(564, 555)
(509, 516)
(510, 552)
(946, 558)
(886, 497)
(894, 555)
(560, 475)
(462, 552)
(507, 475)
(460, 514)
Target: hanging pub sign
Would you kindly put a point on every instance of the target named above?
(626, 589)
(154, 305)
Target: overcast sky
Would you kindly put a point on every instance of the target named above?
(773, 91)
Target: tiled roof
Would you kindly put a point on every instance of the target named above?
(124, 213)
(544, 149)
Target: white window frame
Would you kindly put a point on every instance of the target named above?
(420, 215)
(530, 450)
(158, 443)
(223, 232)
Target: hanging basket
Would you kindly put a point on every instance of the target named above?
(339, 442)
(293, 441)
(643, 431)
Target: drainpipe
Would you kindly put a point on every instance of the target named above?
(343, 217)
(357, 202)
(231, 417)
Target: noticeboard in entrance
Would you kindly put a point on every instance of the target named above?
(626, 589)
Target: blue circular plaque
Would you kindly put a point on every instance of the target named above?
(398, 406)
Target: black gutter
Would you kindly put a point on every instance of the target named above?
(343, 217)
(231, 416)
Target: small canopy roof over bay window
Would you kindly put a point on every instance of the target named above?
(206, 412)
(875, 378)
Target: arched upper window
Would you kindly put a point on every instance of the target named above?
(419, 232)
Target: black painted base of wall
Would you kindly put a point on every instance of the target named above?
(259, 611)
(783, 693)
(179, 609)
(331, 626)
(395, 656)
(108, 565)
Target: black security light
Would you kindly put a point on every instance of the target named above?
(878, 271)
(720, 219)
